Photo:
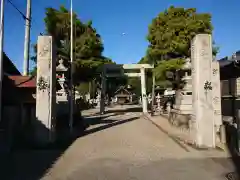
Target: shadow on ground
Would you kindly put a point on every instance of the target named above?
(133, 109)
(119, 111)
(32, 163)
(108, 124)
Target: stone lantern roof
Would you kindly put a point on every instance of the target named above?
(187, 64)
(61, 67)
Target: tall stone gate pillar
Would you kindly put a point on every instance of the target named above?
(202, 128)
(216, 90)
(46, 90)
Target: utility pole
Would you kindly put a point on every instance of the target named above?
(71, 73)
(1, 53)
(27, 39)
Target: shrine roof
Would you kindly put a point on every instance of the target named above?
(229, 66)
(122, 88)
(122, 95)
(24, 81)
(229, 59)
(225, 61)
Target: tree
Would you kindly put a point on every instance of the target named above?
(88, 46)
(83, 88)
(170, 35)
(135, 82)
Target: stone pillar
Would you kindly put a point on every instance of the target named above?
(144, 94)
(46, 91)
(216, 90)
(202, 127)
(158, 102)
(238, 86)
(98, 99)
(217, 104)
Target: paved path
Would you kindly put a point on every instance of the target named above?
(117, 146)
(126, 146)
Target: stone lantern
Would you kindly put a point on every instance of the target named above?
(182, 109)
(62, 91)
(158, 90)
(61, 73)
(130, 88)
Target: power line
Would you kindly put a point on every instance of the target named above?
(31, 20)
(20, 12)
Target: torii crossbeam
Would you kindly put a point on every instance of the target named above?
(121, 68)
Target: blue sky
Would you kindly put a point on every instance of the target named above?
(111, 18)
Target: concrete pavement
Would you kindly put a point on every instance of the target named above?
(127, 146)
(118, 145)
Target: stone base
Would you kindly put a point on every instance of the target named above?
(42, 135)
(62, 108)
(178, 119)
(183, 109)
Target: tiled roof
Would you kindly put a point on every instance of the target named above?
(24, 81)
(123, 89)
(9, 67)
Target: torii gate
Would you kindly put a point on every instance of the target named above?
(141, 74)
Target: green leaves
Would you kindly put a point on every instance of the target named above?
(170, 35)
(172, 31)
(88, 46)
(167, 65)
(83, 88)
(88, 69)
